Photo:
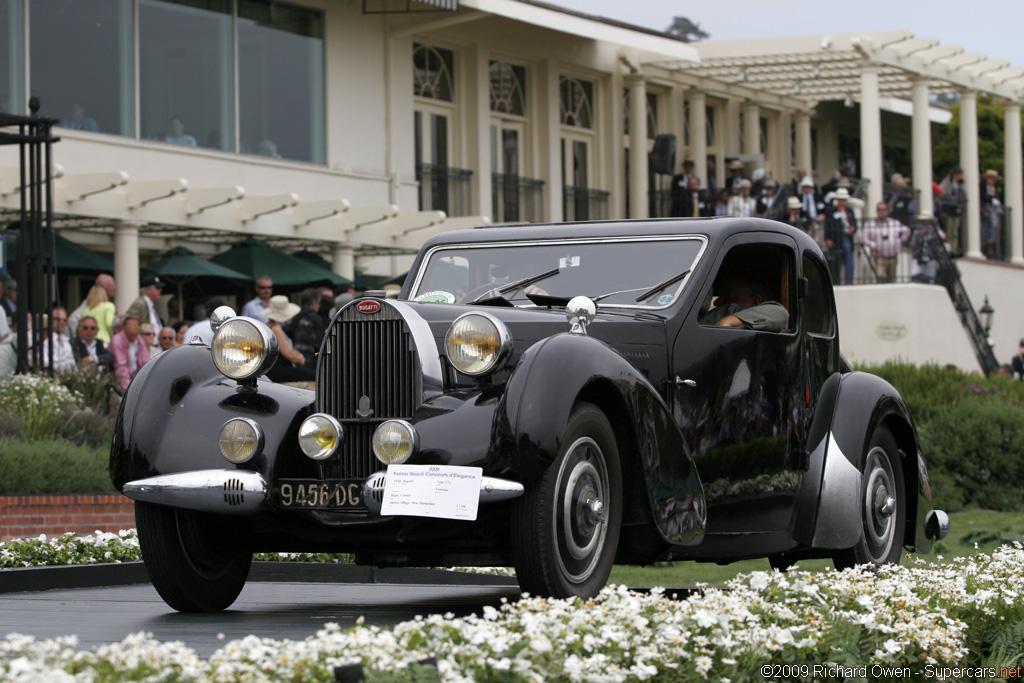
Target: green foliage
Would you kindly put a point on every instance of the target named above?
(978, 443)
(52, 465)
(991, 134)
(89, 382)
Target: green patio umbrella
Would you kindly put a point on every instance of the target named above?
(70, 256)
(180, 266)
(255, 258)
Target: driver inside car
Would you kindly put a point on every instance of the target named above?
(741, 301)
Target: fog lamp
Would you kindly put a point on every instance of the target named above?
(320, 436)
(240, 440)
(394, 442)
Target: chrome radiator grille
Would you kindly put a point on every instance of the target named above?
(368, 372)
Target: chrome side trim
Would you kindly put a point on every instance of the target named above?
(227, 492)
(839, 518)
(492, 490)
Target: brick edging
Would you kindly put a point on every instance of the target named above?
(54, 514)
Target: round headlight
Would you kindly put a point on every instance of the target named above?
(477, 342)
(244, 348)
(320, 436)
(394, 442)
(240, 440)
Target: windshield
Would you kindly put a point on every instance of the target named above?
(641, 272)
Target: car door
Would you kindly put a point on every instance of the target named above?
(737, 394)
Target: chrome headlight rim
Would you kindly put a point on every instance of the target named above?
(498, 359)
(257, 434)
(267, 339)
(323, 419)
(414, 441)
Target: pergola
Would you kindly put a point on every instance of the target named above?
(159, 214)
(865, 67)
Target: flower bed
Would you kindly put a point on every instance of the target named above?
(898, 622)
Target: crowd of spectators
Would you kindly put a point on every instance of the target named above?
(858, 249)
(96, 335)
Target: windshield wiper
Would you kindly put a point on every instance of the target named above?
(513, 286)
(519, 284)
(662, 285)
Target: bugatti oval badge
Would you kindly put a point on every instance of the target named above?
(368, 307)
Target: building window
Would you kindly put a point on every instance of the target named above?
(577, 102)
(281, 80)
(508, 89)
(234, 75)
(12, 56)
(81, 64)
(433, 73)
(186, 73)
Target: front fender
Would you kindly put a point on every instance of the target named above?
(849, 408)
(556, 372)
(171, 415)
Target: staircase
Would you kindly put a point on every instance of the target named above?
(949, 277)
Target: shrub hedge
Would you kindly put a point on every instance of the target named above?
(971, 430)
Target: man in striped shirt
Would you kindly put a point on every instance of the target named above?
(885, 237)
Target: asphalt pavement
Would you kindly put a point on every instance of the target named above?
(102, 604)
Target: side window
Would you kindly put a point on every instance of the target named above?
(817, 311)
(753, 289)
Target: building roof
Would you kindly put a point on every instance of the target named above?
(828, 67)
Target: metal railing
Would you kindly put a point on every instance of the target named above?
(584, 203)
(515, 199)
(444, 188)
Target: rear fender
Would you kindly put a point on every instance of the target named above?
(850, 406)
(556, 372)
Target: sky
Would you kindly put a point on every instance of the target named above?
(989, 26)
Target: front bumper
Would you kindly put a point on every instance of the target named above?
(244, 493)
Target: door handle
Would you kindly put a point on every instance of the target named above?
(687, 382)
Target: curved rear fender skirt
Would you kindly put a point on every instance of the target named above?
(226, 492)
(172, 413)
(535, 409)
(849, 408)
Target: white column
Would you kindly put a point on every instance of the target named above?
(699, 134)
(921, 144)
(732, 128)
(343, 261)
(751, 128)
(871, 137)
(972, 174)
(638, 185)
(126, 264)
(783, 155)
(479, 129)
(803, 143)
(1014, 190)
(550, 139)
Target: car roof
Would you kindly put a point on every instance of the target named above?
(715, 228)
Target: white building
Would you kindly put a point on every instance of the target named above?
(358, 128)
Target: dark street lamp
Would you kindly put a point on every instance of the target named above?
(986, 313)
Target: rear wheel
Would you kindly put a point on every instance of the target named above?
(198, 562)
(882, 506)
(565, 527)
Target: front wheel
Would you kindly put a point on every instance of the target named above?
(565, 528)
(198, 562)
(883, 506)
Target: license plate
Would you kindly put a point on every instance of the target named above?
(320, 494)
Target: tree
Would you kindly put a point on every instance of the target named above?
(687, 30)
(991, 134)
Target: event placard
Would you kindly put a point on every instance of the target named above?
(441, 491)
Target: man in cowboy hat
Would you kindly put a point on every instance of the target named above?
(840, 226)
(735, 174)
